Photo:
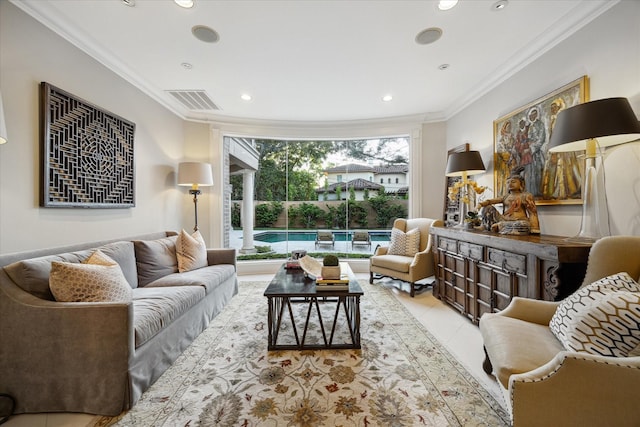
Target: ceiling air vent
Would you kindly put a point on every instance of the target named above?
(194, 99)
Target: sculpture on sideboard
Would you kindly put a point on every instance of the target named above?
(520, 215)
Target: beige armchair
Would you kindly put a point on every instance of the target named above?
(543, 383)
(407, 268)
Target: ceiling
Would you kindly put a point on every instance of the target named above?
(309, 61)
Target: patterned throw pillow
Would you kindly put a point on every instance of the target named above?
(407, 244)
(96, 279)
(191, 251)
(601, 318)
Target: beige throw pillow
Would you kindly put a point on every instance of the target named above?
(191, 251)
(96, 279)
(601, 318)
(406, 244)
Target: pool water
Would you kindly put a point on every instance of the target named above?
(310, 236)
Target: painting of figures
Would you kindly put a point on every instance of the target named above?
(521, 138)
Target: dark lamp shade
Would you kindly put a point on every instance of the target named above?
(465, 161)
(611, 121)
(194, 173)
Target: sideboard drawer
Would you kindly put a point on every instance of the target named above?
(448, 245)
(469, 250)
(507, 261)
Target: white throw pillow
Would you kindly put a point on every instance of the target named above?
(601, 318)
(96, 279)
(406, 244)
(191, 251)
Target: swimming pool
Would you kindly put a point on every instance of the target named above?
(310, 236)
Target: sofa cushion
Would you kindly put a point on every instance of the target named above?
(407, 244)
(399, 263)
(155, 308)
(96, 279)
(601, 318)
(515, 346)
(191, 251)
(155, 259)
(32, 275)
(208, 277)
(124, 254)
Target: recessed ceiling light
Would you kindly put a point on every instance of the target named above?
(443, 66)
(130, 3)
(499, 5)
(447, 4)
(184, 3)
(429, 35)
(246, 97)
(205, 34)
(186, 66)
(387, 98)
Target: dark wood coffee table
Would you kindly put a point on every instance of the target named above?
(291, 286)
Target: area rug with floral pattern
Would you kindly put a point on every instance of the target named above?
(402, 376)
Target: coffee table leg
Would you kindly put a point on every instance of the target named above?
(354, 319)
(273, 320)
(293, 322)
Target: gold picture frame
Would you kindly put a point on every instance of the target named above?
(521, 138)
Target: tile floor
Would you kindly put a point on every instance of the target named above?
(457, 334)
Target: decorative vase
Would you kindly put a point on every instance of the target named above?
(330, 273)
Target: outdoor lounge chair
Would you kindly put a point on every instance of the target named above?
(325, 238)
(361, 238)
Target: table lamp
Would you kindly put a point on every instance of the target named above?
(463, 164)
(195, 174)
(612, 122)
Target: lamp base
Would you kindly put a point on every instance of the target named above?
(195, 193)
(594, 223)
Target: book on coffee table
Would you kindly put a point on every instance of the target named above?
(335, 284)
(332, 285)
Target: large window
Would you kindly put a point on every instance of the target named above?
(321, 196)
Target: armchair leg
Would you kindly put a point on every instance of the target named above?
(412, 293)
(371, 277)
(487, 367)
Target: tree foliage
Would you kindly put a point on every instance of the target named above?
(290, 170)
(384, 151)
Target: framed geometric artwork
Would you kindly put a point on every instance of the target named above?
(521, 138)
(452, 207)
(87, 157)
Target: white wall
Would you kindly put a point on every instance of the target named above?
(30, 54)
(607, 50)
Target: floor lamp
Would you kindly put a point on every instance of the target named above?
(463, 164)
(612, 122)
(195, 174)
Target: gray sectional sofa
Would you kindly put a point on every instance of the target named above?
(99, 357)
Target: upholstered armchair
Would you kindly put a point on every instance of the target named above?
(546, 384)
(406, 264)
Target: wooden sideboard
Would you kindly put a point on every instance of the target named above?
(479, 272)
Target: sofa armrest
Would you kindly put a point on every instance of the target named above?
(57, 355)
(221, 256)
(530, 310)
(577, 389)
